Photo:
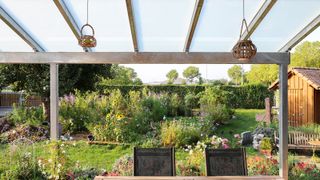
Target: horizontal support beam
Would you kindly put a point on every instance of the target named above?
(20, 31)
(139, 58)
(313, 25)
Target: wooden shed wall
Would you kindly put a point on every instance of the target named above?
(317, 106)
(301, 101)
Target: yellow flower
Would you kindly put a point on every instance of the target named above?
(120, 116)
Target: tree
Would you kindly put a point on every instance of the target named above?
(191, 72)
(34, 78)
(121, 75)
(306, 54)
(236, 74)
(172, 76)
(262, 74)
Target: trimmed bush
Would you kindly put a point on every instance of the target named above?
(246, 96)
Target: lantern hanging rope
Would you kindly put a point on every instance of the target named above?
(244, 50)
(87, 41)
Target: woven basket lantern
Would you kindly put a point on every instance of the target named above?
(87, 41)
(244, 50)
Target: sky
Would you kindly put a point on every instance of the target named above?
(161, 26)
(157, 72)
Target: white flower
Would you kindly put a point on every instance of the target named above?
(59, 165)
(50, 160)
(62, 145)
(63, 151)
(191, 151)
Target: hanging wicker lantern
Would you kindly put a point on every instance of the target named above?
(244, 50)
(87, 41)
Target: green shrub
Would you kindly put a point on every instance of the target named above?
(79, 110)
(178, 134)
(214, 107)
(28, 115)
(191, 101)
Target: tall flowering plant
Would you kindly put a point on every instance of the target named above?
(55, 167)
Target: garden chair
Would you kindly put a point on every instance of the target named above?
(154, 162)
(226, 162)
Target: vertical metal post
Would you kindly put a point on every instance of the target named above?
(54, 102)
(283, 121)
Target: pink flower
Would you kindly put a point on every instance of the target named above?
(237, 136)
(225, 141)
(225, 146)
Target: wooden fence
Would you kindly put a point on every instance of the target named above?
(7, 99)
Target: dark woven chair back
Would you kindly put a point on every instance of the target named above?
(154, 162)
(226, 162)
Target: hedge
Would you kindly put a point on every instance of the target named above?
(246, 96)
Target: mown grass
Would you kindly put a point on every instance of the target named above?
(244, 121)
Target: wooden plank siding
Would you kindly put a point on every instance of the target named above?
(301, 98)
(317, 106)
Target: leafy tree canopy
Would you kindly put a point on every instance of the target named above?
(121, 75)
(235, 73)
(191, 73)
(172, 76)
(34, 78)
(307, 54)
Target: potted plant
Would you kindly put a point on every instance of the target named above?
(266, 146)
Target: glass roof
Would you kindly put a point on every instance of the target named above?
(161, 25)
(10, 41)
(283, 22)
(110, 21)
(219, 24)
(44, 21)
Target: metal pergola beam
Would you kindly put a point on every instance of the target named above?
(193, 24)
(20, 31)
(65, 12)
(260, 15)
(132, 25)
(313, 25)
(139, 58)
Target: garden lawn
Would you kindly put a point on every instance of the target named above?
(245, 120)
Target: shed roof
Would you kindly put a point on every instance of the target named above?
(309, 74)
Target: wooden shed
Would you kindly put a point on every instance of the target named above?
(303, 95)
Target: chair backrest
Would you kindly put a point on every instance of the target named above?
(226, 162)
(154, 162)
